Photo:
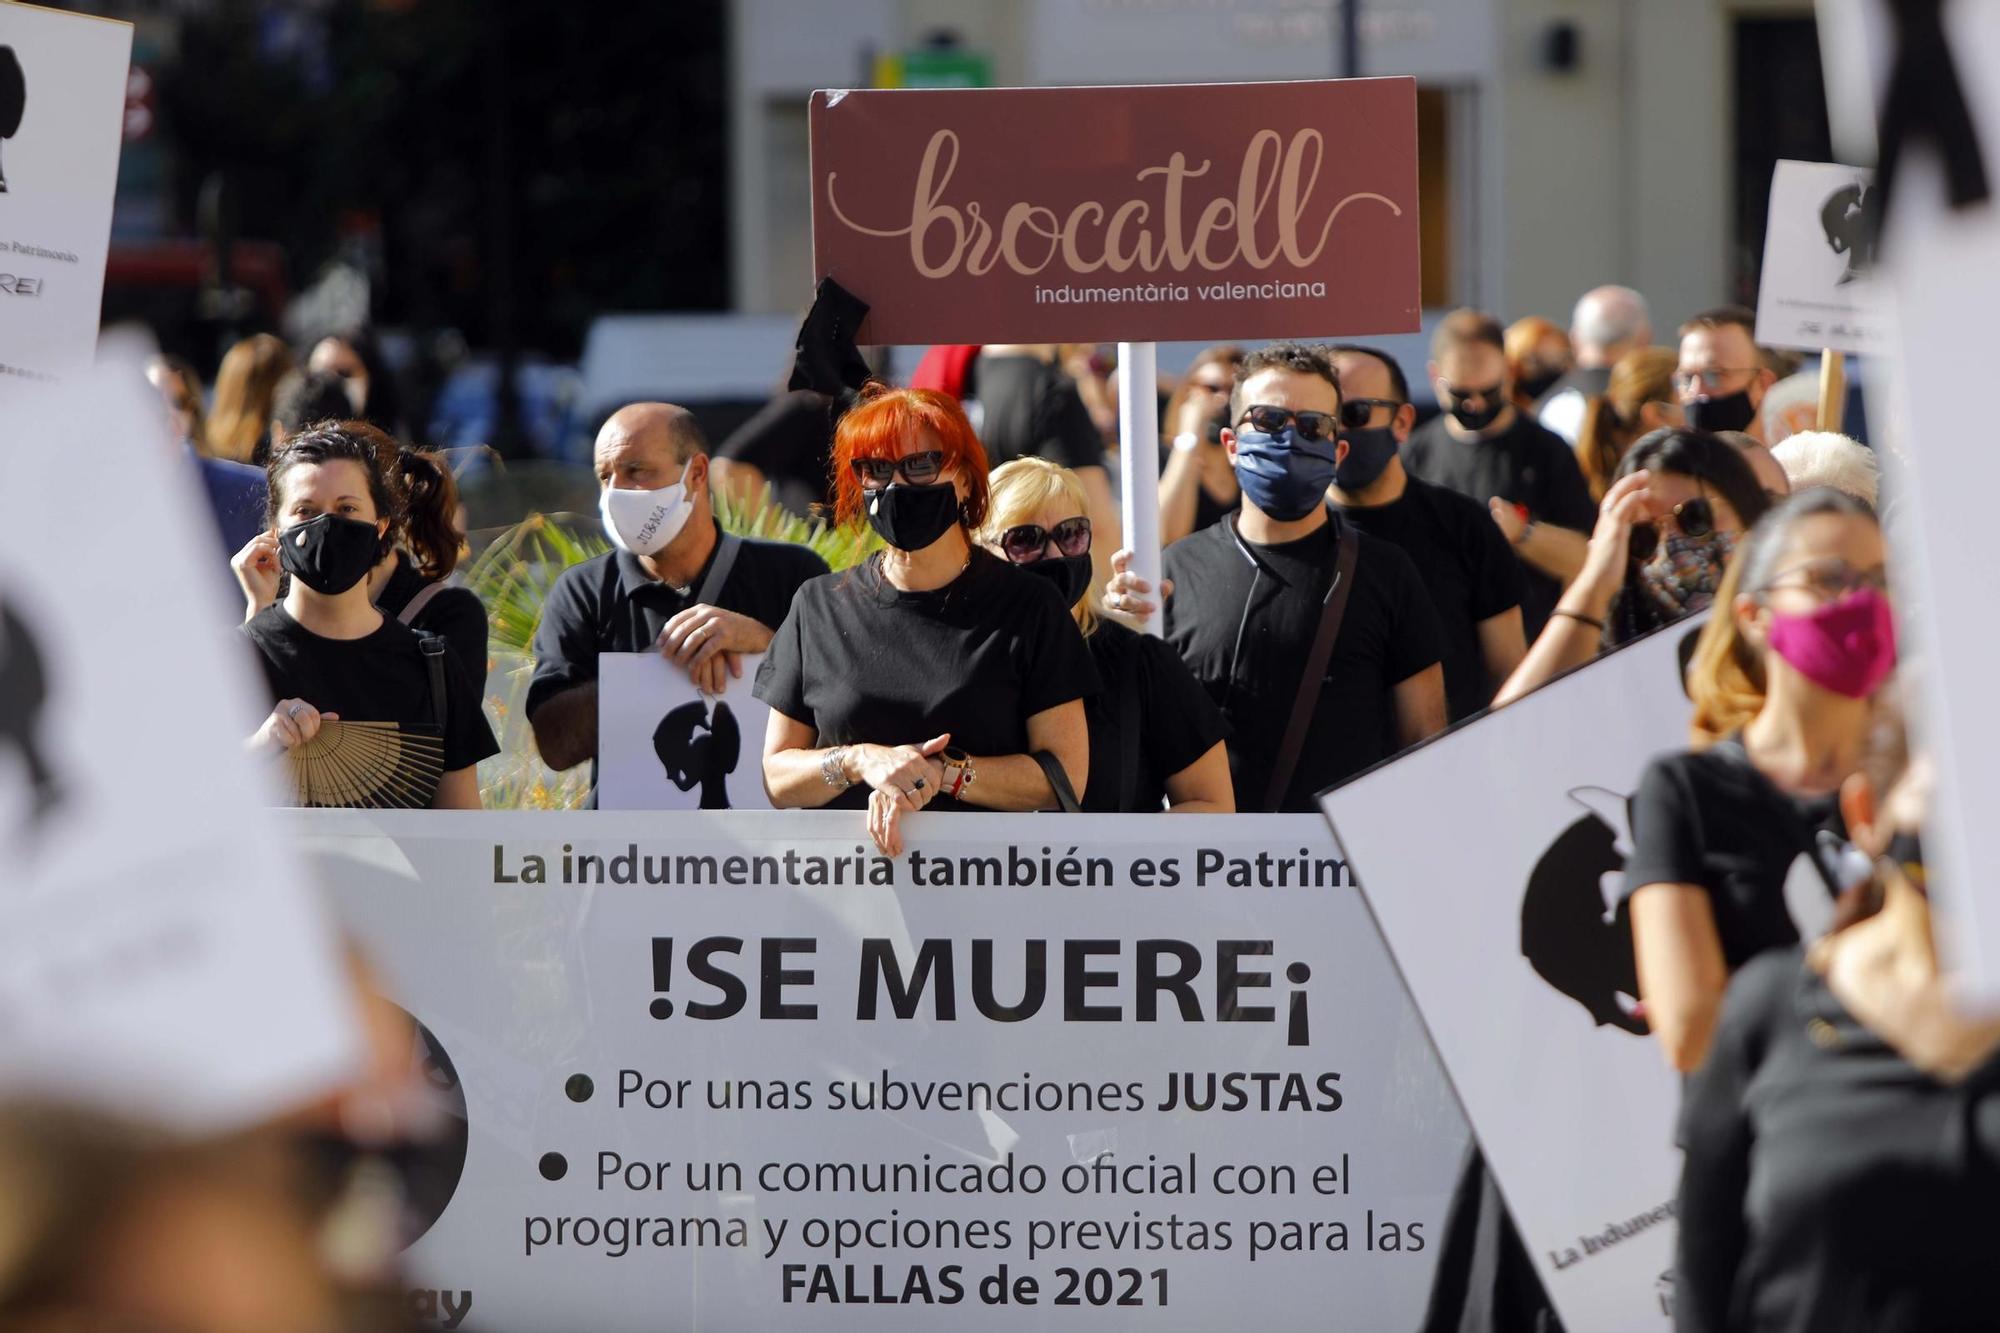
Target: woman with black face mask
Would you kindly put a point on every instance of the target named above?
(1155, 735)
(931, 675)
(329, 655)
(1669, 522)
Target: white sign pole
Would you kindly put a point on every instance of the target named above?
(1139, 454)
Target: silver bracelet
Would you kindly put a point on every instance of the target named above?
(833, 768)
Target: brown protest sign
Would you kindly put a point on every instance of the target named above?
(1121, 214)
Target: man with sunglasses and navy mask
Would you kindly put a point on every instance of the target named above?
(1484, 449)
(673, 582)
(1465, 563)
(1286, 584)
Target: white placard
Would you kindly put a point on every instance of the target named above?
(1819, 289)
(160, 954)
(60, 168)
(1500, 932)
(528, 985)
(1943, 266)
(664, 745)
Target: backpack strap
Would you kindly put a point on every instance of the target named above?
(432, 646)
(408, 615)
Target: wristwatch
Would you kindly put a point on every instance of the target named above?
(1186, 442)
(958, 771)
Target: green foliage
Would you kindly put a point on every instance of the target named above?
(513, 576)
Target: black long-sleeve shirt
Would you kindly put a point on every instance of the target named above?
(1829, 1184)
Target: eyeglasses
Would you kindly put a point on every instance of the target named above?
(1313, 427)
(919, 469)
(1354, 412)
(1829, 579)
(1029, 542)
(1711, 379)
(1695, 518)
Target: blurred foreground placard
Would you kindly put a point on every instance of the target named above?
(160, 955)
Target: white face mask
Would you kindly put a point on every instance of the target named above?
(643, 522)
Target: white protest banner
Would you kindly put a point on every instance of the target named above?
(664, 745)
(1500, 931)
(1818, 290)
(62, 118)
(159, 952)
(738, 1072)
(1941, 263)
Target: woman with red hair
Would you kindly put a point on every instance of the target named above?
(933, 675)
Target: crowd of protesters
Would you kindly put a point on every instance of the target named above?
(1341, 579)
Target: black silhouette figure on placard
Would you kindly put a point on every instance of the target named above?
(1849, 219)
(1570, 932)
(13, 99)
(24, 693)
(707, 758)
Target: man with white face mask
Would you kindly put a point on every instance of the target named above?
(672, 582)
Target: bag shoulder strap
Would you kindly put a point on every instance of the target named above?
(718, 569)
(1052, 769)
(1332, 610)
(433, 648)
(408, 615)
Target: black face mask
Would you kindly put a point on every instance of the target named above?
(910, 518)
(1540, 384)
(1729, 412)
(1478, 418)
(330, 554)
(1070, 574)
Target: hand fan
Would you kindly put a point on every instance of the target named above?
(368, 765)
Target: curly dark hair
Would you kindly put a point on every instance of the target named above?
(1299, 358)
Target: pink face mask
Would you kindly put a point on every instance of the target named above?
(1847, 646)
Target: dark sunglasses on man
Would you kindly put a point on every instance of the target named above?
(1026, 543)
(1695, 518)
(1354, 412)
(919, 469)
(1313, 427)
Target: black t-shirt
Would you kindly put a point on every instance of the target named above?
(1468, 569)
(1526, 464)
(1033, 409)
(610, 604)
(789, 440)
(1243, 617)
(865, 662)
(1171, 716)
(379, 678)
(1828, 1183)
(1710, 818)
(454, 614)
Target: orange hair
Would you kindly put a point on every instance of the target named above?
(878, 424)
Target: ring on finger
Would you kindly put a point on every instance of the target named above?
(293, 711)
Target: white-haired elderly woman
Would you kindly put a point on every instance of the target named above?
(1828, 458)
(1155, 735)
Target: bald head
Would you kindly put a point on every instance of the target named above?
(645, 446)
(654, 425)
(1607, 323)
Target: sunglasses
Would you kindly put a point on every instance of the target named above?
(1029, 542)
(1354, 412)
(1313, 427)
(920, 469)
(1695, 518)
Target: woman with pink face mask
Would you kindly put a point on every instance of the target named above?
(1726, 834)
